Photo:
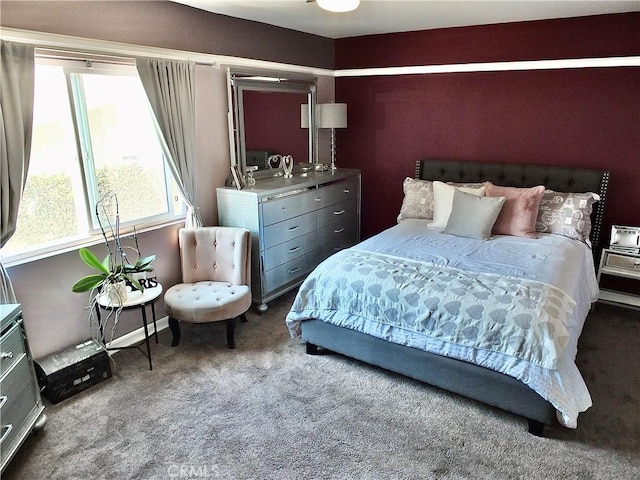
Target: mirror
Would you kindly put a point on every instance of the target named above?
(266, 119)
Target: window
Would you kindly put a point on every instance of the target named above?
(93, 134)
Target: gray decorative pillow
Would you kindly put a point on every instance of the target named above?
(418, 199)
(566, 214)
(473, 216)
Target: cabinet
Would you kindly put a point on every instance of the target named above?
(619, 264)
(21, 409)
(295, 223)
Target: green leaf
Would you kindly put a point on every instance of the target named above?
(87, 283)
(90, 259)
(136, 283)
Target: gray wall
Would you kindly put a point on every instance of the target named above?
(54, 316)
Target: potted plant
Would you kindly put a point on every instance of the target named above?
(108, 277)
(108, 284)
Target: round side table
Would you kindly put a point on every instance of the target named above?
(135, 299)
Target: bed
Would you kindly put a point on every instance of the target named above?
(456, 338)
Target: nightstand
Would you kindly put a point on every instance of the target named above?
(619, 264)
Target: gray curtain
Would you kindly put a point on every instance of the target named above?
(17, 69)
(170, 87)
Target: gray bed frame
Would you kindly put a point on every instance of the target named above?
(479, 383)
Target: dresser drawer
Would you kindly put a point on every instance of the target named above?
(11, 348)
(18, 398)
(275, 211)
(335, 212)
(317, 198)
(289, 250)
(284, 231)
(346, 190)
(288, 272)
(623, 261)
(344, 231)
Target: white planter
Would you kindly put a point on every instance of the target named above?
(116, 293)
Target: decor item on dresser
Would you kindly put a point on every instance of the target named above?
(494, 319)
(216, 266)
(287, 166)
(21, 408)
(294, 223)
(332, 115)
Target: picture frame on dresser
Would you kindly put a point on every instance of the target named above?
(237, 177)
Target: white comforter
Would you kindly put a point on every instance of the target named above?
(551, 259)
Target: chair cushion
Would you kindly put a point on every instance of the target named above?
(204, 302)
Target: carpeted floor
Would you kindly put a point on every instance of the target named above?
(266, 410)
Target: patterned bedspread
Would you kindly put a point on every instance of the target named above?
(518, 317)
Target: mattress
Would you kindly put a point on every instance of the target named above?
(553, 260)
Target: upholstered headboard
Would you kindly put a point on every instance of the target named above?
(560, 179)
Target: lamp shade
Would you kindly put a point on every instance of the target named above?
(304, 115)
(332, 115)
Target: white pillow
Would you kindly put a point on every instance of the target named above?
(443, 201)
(473, 216)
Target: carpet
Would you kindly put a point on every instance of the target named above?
(266, 410)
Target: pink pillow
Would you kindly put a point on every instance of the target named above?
(520, 210)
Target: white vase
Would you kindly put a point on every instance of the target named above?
(116, 292)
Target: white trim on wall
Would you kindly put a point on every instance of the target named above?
(71, 43)
(494, 66)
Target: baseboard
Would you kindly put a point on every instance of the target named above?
(137, 336)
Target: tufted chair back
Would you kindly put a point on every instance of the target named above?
(219, 254)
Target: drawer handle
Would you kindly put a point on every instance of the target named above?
(339, 212)
(318, 199)
(6, 429)
(294, 270)
(291, 229)
(294, 249)
(6, 355)
(346, 190)
(339, 230)
(3, 400)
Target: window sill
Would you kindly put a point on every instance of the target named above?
(24, 258)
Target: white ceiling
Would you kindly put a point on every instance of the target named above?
(386, 16)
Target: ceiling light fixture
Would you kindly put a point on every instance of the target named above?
(339, 6)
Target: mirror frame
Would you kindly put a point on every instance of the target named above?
(239, 81)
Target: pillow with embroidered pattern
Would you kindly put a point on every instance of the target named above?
(566, 214)
(418, 199)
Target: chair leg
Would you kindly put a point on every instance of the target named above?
(243, 318)
(231, 328)
(174, 326)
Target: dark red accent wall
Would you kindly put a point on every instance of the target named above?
(272, 123)
(584, 37)
(571, 117)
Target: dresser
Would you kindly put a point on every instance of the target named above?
(295, 223)
(21, 409)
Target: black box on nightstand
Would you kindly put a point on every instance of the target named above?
(71, 370)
